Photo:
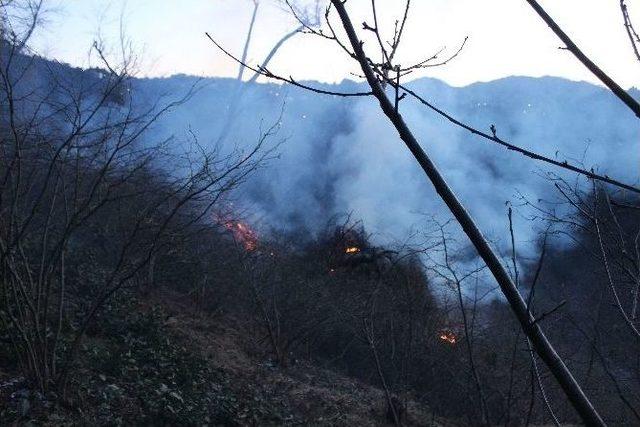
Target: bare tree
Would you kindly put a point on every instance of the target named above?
(377, 75)
(18, 21)
(597, 227)
(531, 328)
(447, 271)
(308, 18)
(86, 199)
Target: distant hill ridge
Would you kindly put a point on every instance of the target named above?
(340, 155)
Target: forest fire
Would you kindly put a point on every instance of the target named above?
(352, 250)
(242, 233)
(246, 236)
(448, 336)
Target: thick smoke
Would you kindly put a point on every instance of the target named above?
(341, 155)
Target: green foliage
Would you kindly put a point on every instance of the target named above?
(133, 370)
(147, 375)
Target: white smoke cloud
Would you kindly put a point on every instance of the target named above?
(342, 155)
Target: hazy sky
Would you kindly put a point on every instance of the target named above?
(505, 37)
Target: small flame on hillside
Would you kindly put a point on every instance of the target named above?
(449, 337)
(242, 233)
(352, 250)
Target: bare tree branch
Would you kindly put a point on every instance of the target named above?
(493, 137)
(618, 91)
(265, 72)
(540, 342)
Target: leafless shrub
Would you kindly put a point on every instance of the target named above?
(88, 201)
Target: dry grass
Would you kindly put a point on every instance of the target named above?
(311, 395)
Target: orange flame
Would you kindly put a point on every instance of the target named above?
(242, 233)
(352, 250)
(448, 337)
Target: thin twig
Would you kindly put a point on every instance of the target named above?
(264, 72)
(535, 156)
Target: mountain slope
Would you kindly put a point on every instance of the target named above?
(139, 380)
(340, 155)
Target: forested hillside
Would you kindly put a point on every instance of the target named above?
(205, 251)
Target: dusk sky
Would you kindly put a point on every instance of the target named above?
(505, 37)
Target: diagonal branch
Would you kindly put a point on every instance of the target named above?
(265, 72)
(634, 39)
(531, 154)
(591, 66)
(533, 331)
